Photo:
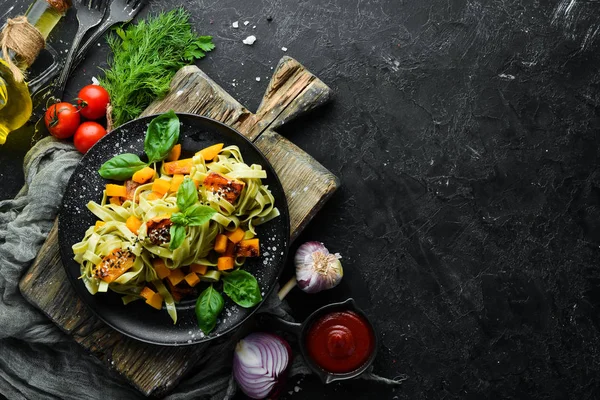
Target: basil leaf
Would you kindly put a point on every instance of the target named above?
(177, 236)
(242, 287)
(208, 307)
(162, 135)
(121, 167)
(187, 194)
(198, 214)
(179, 219)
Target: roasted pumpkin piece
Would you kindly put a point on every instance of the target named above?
(175, 153)
(161, 269)
(114, 264)
(192, 279)
(178, 167)
(198, 268)
(247, 248)
(155, 301)
(161, 186)
(115, 201)
(154, 196)
(133, 223)
(144, 175)
(159, 230)
(225, 263)
(147, 293)
(130, 187)
(115, 190)
(227, 188)
(210, 152)
(175, 183)
(236, 236)
(98, 225)
(175, 276)
(220, 243)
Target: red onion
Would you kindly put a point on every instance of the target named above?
(260, 364)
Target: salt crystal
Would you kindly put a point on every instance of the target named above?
(249, 40)
(235, 25)
(258, 79)
(284, 48)
(246, 22)
(254, 27)
(296, 389)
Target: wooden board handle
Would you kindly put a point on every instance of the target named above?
(292, 91)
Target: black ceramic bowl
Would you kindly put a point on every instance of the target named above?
(138, 320)
(301, 332)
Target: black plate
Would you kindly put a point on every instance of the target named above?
(138, 320)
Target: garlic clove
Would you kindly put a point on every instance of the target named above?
(316, 268)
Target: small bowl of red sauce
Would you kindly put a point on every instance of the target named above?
(338, 341)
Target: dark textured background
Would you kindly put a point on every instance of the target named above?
(465, 134)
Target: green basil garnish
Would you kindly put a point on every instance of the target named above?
(191, 213)
(179, 219)
(242, 288)
(121, 167)
(187, 194)
(162, 135)
(177, 236)
(198, 215)
(208, 307)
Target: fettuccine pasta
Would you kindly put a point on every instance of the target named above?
(130, 249)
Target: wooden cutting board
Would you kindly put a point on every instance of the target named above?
(293, 91)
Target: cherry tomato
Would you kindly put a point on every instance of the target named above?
(93, 100)
(87, 135)
(62, 120)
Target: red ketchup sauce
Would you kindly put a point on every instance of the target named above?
(340, 341)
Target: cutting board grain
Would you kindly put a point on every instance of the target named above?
(292, 91)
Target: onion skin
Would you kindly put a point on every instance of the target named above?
(260, 364)
(316, 268)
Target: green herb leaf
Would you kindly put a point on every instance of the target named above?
(177, 236)
(208, 307)
(242, 287)
(179, 219)
(205, 43)
(198, 215)
(121, 167)
(187, 194)
(162, 135)
(157, 47)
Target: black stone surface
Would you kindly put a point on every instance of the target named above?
(466, 137)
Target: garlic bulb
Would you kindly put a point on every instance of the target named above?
(316, 268)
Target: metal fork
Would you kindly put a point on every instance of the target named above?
(120, 11)
(89, 14)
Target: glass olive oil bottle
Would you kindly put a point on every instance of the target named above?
(15, 100)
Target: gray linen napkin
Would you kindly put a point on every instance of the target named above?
(39, 361)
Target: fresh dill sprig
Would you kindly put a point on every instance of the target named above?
(145, 58)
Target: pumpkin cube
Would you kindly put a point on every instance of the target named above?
(247, 248)
(192, 279)
(155, 301)
(221, 243)
(161, 269)
(114, 264)
(236, 236)
(225, 263)
(176, 276)
(198, 268)
(227, 188)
